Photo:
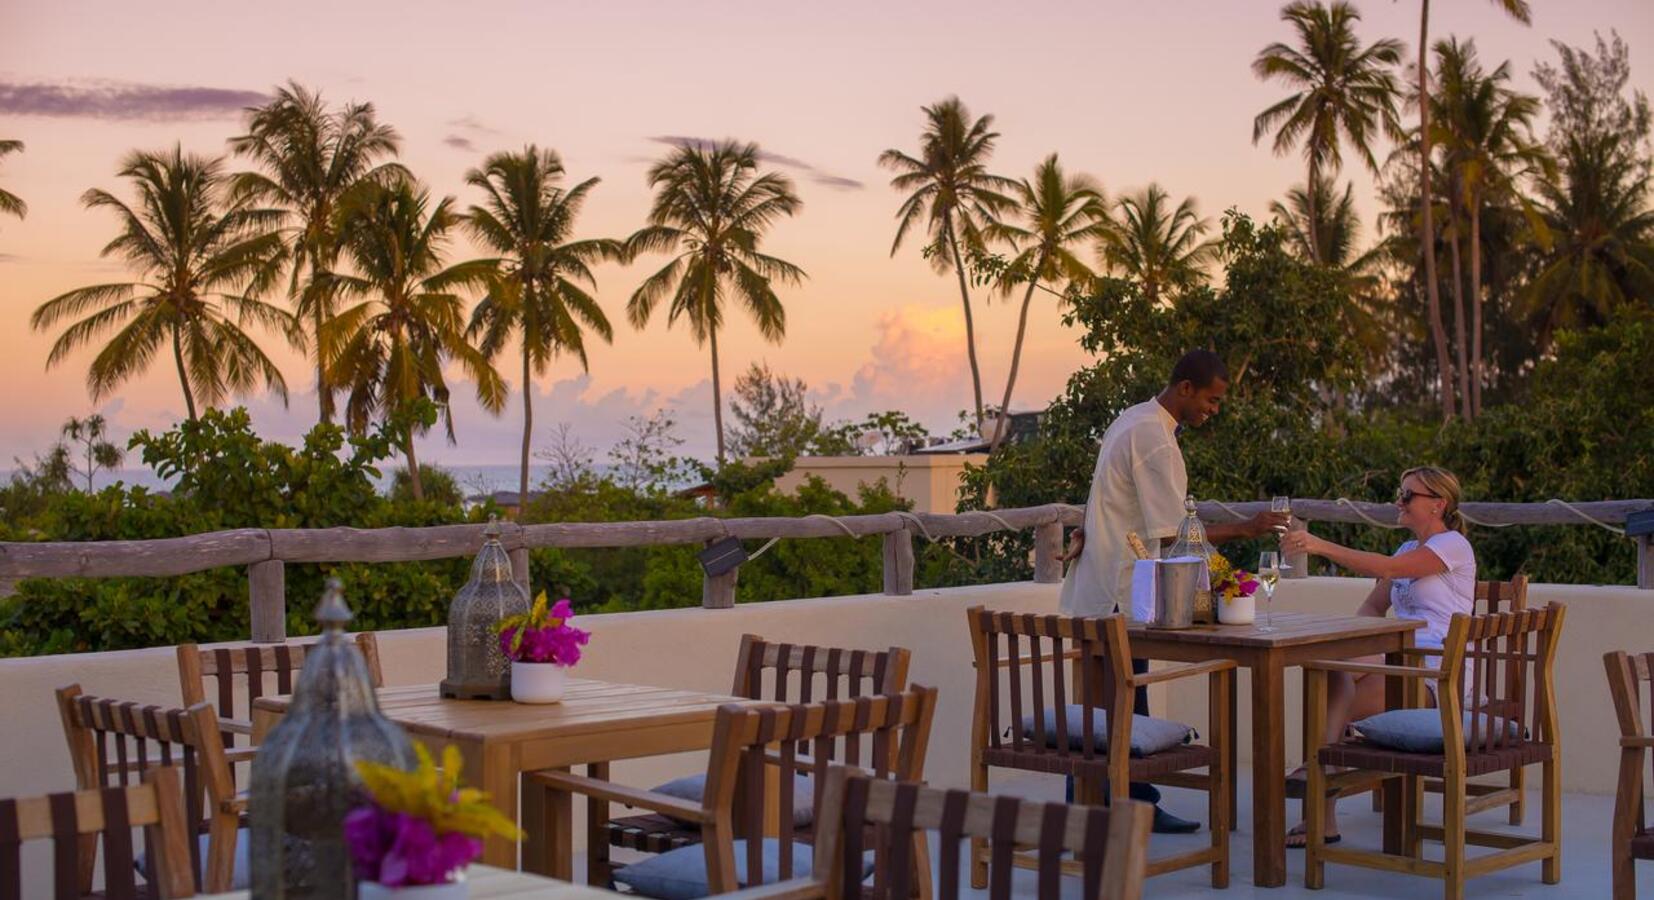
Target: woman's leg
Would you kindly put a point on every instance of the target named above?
(1349, 699)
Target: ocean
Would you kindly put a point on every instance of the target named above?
(473, 479)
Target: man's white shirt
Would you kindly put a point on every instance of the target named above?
(1138, 485)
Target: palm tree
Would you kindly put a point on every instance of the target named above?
(536, 291)
(1343, 91)
(1517, 9)
(1057, 211)
(204, 260)
(713, 203)
(11, 203)
(307, 159)
(389, 349)
(1487, 130)
(949, 186)
(1153, 243)
(1337, 232)
(1598, 242)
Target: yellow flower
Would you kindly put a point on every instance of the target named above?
(433, 794)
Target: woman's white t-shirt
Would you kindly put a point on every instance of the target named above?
(1435, 598)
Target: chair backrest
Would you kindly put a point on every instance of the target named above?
(73, 820)
(182, 738)
(1502, 667)
(749, 739)
(1502, 596)
(1626, 674)
(260, 669)
(1050, 647)
(1111, 844)
(804, 673)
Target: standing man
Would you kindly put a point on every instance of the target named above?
(1138, 485)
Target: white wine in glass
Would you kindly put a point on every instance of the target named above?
(1282, 505)
(1269, 572)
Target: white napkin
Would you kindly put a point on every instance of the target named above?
(1144, 572)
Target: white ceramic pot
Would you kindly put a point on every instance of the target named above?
(538, 682)
(453, 890)
(1240, 611)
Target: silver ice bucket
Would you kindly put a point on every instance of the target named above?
(1174, 594)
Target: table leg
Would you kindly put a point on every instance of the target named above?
(548, 826)
(1268, 773)
(1398, 798)
(497, 775)
(597, 831)
(1234, 750)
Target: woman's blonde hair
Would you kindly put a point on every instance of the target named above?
(1445, 485)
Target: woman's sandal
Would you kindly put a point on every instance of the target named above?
(1299, 832)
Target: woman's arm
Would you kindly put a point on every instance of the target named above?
(1416, 563)
(1378, 600)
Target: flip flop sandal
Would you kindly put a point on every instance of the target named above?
(1327, 841)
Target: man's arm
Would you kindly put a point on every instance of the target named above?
(1257, 526)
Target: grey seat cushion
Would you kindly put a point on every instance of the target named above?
(681, 874)
(1420, 730)
(693, 787)
(240, 878)
(1148, 735)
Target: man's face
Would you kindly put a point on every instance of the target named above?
(1200, 404)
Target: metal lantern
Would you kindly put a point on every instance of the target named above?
(304, 777)
(477, 670)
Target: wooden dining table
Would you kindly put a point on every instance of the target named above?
(1299, 638)
(596, 722)
(484, 882)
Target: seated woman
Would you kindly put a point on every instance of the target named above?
(1430, 577)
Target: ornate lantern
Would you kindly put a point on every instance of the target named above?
(477, 670)
(304, 777)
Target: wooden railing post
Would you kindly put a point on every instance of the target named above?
(1645, 562)
(1299, 562)
(267, 600)
(519, 569)
(718, 591)
(1047, 547)
(898, 562)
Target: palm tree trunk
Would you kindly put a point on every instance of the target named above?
(324, 394)
(970, 325)
(1461, 342)
(1438, 334)
(1016, 358)
(414, 481)
(1476, 307)
(183, 376)
(717, 398)
(1309, 207)
(528, 431)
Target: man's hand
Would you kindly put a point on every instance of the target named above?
(1266, 522)
(1076, 543)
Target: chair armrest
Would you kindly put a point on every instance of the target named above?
(804, 764)
(236, 805)
(233, 755)
(1422, 651)
(1427, 673)
(1637, 743)
(1182, 670)
(793, 889)
(598, 789)
(236, 726)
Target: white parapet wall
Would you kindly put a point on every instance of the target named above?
(696, 648)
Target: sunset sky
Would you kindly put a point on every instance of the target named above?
(1127, 92)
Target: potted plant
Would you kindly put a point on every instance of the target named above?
(541, 646)
(1234, 589)
(419, 829)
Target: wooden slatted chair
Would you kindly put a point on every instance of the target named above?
(74, 821)
(784, 673)
(1632, 838)
(1111, 843)
(1493, 597)
(1005, 643)
(252, 670)
(186, 738)
(892, 730)
(1496, 701)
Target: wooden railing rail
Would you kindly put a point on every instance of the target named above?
(265, 551)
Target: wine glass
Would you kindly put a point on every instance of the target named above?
(1269, 572)
(1282, 505)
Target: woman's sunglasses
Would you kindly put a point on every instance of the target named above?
(1405, 496)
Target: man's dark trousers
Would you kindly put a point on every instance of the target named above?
(1137, 790)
